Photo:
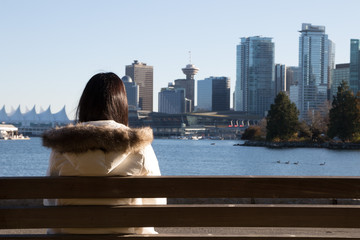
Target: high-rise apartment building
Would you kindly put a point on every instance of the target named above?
(280, 78)
(172, 100)
(132, 92)
(355, 65)
(214, 94)
(340, 73)
(316, 54)
(142, 75)
(255, 88)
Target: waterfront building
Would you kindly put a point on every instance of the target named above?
(172, 100)
(213, 94)
(316, 54)
(280, 78)
(354, 65)
(255, 88)
(340, 73)
(32, 122)
(132, 92)
(142, 75)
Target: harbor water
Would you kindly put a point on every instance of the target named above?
(202, 157)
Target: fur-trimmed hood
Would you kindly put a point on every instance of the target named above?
(82, 137)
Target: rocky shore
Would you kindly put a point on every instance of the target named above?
(329, 145)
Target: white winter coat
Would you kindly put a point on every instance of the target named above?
(101, 148)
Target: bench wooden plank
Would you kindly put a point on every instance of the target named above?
(180, 187)
(322, 216)
(174, 237)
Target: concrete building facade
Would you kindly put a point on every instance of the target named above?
(172, 100)
(132, 92)
(143, 76)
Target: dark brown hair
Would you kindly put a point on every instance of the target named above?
(104, 98)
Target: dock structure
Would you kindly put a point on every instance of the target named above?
(8, 131)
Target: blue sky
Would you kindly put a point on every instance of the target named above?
(49, 49)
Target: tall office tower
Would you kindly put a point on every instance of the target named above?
(331, 67)
(294, 95)
(340, 73)
(293, 75)
(132, 92)
(213, 94)
(280, 78)
(355, 65)
(254, 89)
(315, 53)
(142, 75)
(189, 83)
(172, 100)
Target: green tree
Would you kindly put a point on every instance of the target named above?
(282, 119)
(252, 133)
(318, 121)
(344, 115)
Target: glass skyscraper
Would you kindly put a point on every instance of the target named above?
(340, 73)
(280, 78)
(316, 54)
(214, 94)
(255, 88)
(355, 65)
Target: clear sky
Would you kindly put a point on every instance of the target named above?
(49, 49)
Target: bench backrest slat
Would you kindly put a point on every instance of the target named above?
(183, 216)
(176, 237)
(180, 187)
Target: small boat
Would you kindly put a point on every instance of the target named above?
(322, 164)
(296, 163)
(287, 162)
(19, 137)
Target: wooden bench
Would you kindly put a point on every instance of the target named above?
(250, 216)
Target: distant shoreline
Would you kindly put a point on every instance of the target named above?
(329, 145)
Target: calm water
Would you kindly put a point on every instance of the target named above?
(186, 157)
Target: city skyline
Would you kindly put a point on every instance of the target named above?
(50, 50)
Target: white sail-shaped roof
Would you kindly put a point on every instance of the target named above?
(12, 111)
(31, 116)
(61, 117)
(41, 110)
(26, 110)
(3, 116)
(46, 116)
(17, 116)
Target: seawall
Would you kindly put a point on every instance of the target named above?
(329, 145)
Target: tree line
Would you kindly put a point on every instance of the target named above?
(340, 121)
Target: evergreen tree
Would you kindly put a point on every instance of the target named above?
(282, 119)
(344, 115)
